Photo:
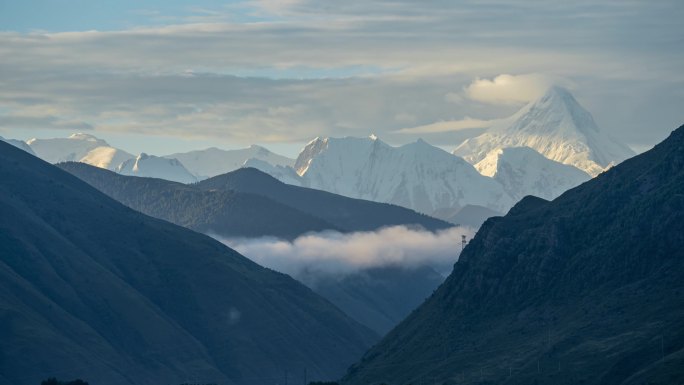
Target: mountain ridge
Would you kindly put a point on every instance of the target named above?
(213, 161)
(416, 175)
(346, 213)
(156, 167)
(225, 214)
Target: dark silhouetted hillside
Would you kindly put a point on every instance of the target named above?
(92, 289)
(222, 212)
(378, 298)
(347, 214)
(585, 289)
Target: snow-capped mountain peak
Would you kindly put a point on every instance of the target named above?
(213, 161)
(556, 126)
(417, 175)
(347, 149)
(313, 148)
(523, 171)
(156, 167)
(73, 148)
(556, 110)
(106, 157)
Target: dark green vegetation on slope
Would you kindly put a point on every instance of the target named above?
(222, 212)
(90, 288)
(586, 289)
(348, 214)
(248, 203)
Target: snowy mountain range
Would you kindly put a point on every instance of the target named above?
(79, 148)
(156, 167)
(423, 177)
(549, 146)
(556, 126)
(185, 167)
(213, 161)
(417, 175)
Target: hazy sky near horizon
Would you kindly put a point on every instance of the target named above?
(167, 76)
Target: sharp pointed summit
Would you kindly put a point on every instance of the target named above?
(556, 126)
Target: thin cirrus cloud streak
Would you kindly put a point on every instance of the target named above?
(449, 126)
(338, 254)
(295, 69)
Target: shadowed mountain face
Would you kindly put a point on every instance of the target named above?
(222, 212)
(347, 214)
(585, 289)
(92, 289)
(378, 298)
(472, 216)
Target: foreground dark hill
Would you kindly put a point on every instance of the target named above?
(92, 289)
(348, 214)
(222, 212)
(586, 289)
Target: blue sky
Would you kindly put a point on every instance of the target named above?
(167, 76)
(83, 15)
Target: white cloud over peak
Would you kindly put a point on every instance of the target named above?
(510, 89)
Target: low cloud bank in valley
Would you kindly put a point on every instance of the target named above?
(338, 253)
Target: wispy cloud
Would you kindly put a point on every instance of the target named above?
(511, 89)
(448, 126)
(347, 68)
